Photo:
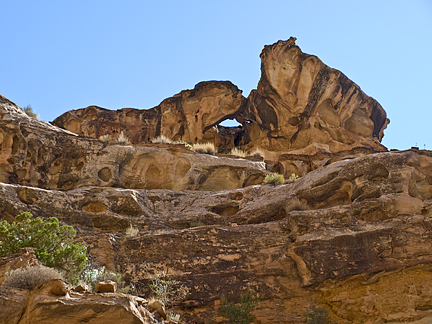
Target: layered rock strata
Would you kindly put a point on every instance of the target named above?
(301, 106)
(38, 154)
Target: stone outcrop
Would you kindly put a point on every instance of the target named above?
(301, 106)
(189, 116)
(42, 306)
(353, 234)
(37, 154)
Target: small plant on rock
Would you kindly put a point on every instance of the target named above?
(274, 179)
(207, 148)
(123, 139)
(30, 277)
(161, 139)
(238, 152)
(131, 231)
(293, 177)
(29, 111)
(240, 313)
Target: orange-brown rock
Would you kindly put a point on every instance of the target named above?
(40, 306)
(189, 115)
(302, 105)
(37, 154)
(106, 286)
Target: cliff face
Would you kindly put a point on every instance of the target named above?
(352, 234)
(301, 106)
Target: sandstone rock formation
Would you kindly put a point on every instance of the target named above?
(40, 155)
(301, 106)
(40, 306)
(352, 234)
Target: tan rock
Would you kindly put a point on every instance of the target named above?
(81, 288)
(106, 286)
(42, 307)
(158, 307)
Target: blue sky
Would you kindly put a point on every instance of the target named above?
(63, 55)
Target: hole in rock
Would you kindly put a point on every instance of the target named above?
(230, 123)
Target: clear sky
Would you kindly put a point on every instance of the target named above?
(63, 55)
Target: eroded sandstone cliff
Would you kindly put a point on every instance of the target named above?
(301, 106)
(352, 234)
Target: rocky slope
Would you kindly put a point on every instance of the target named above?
(353, 234)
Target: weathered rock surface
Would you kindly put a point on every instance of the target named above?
(189, 115)
(40, 306)
(34, 153)
(354, 236)
(301, 106)
(353, 233)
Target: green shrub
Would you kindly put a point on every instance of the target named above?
(317, 315)
(53, 244)
(30, 277)
(240, 313)
(167, 290)
(29, 111)
(274, 179)
(293, 177)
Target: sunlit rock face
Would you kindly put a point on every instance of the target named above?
(35, 153)
(303, 106)
(189, 116)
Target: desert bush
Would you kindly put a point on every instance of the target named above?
(131, 231)
(317, 315)
(53, 244)
(257, 153)
(240, 313)
(205, 148)
(161, 139)
(274, 179)
(93, 274)
(30, 277)
(123, 139)
(238, 152)
(173, 316)
(29, 111)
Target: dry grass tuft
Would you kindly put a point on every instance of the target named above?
(238, 152)
(105, 138)
(161, 139)
(30, 277)
(132, 231)
(207, 148)
(123, 139)
(295, 204)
